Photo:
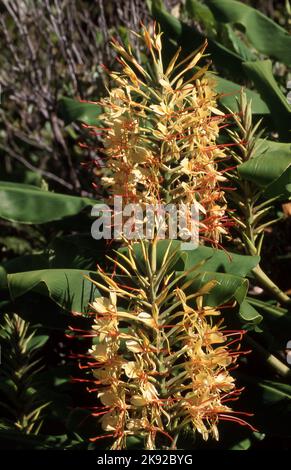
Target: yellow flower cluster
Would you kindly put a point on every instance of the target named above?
(160, 132)
(160, 364)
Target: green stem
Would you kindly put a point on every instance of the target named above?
(155, 315)
(252, 249)
(270, 359)
(266, 282)
(154, 256)
(276, 311)
(174, 443)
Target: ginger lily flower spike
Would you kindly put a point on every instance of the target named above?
(160, 363)
(160, 131)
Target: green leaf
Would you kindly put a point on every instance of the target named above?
(276, 319)
(189, 39)
(220, 261)
(200, 12)
(17, 440)
(274, 392)
(66, 287)
(78, 251)
(228, 270)
(230, 91)
(260, 72)
(81, 111)
(266, 36)
(271, 402)
(3, 280)
(270, 309)
(266, 145)
(36, 342)
(26, 263)
(237, 44)
(248, 313)
(59, 378)
(229, 274)
(228, 287)
(215, 260)
(15, 244)
(270, 170)
(244, 444)
(30, 205)
(7, 385)
(281, 186)
(135, 443)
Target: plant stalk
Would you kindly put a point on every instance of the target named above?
(266, 282)
(270, 359)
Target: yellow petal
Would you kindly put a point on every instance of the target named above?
(137, 400)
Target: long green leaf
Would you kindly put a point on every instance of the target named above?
(266, 36)
(201, 13)
(30, 205)
(229, 92)
(270, 170)
(228, 288)
(260, 72)
(189, 39)
(67, 287)
(220, 261)
(236, 43)
(72, 110)
(248, 313)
